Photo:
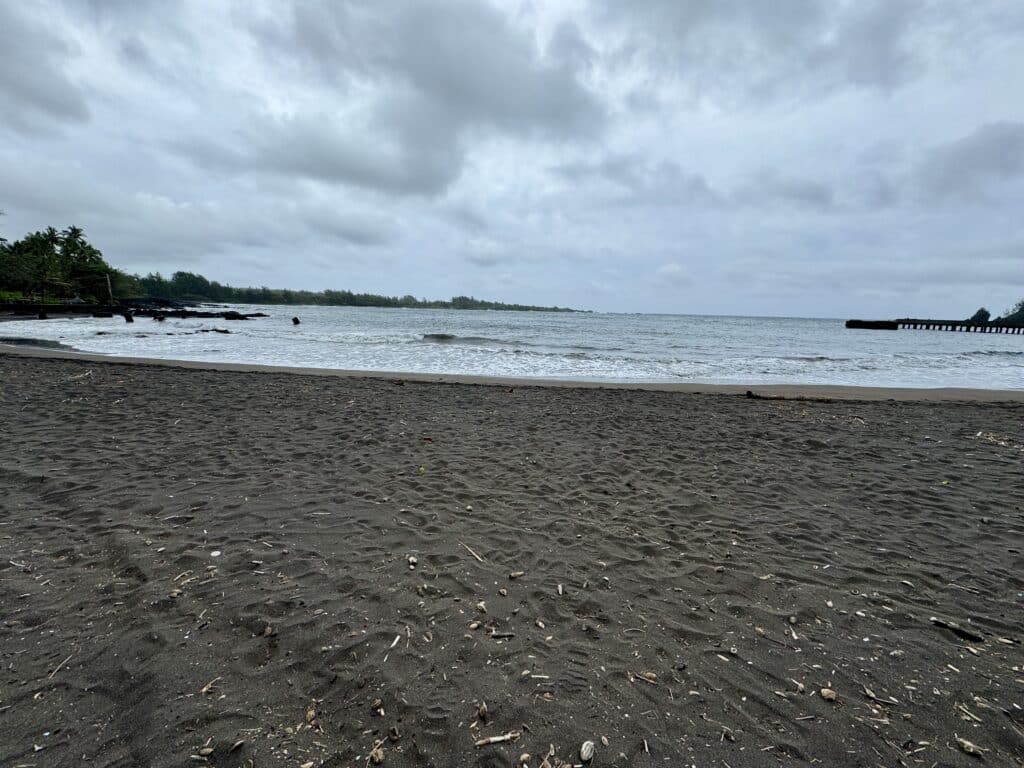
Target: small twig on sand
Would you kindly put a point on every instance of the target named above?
(59, 667)
(510, 736)
(474, 554)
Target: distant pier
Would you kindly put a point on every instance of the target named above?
(917, 324)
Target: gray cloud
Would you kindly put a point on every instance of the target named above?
(736, 50)
(769, 186)
(968, 167)
(35, 89)
(352, 229)
(708, 156)
(436, 84)
(633, 180)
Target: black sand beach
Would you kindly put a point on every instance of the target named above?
(229, 568)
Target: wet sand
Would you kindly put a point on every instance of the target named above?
(260, 568)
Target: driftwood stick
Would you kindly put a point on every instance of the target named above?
(59, 667)
(474, 554)
(510, 736)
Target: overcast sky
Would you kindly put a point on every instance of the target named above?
(792, 157)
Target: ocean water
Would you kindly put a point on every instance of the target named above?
(579, 346)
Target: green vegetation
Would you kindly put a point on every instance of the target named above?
(1014, 315)
(981, 316)
(52, 266)
(191, 287)
(49, 266)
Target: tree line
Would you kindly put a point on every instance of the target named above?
(1014, 315)
(53, 266)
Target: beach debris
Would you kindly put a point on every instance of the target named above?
(550, 753)
(516, 575)
(510, 736)
(481, 711)
(208, 687)
(377, 753)
(474, 554)
(412, 562)
(871, 695)
(393, 733)
(970, 747)
(59, 667)
(237, 745)
(587, 750)
(561, 590)
(604, 741)
(966, 714)
(524, 758)
(503, 592)
(647, 677)
(828, 694)
(482, 606)
(960, 631)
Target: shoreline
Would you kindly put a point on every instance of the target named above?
(40, 349)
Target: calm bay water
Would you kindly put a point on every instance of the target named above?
(604, 347)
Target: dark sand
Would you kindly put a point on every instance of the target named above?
(193, 559)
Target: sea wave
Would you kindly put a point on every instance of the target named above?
(515, 344)
(451, 338)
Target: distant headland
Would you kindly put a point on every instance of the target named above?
(51, 266)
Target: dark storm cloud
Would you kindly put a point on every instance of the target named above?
(436, 84)
(35, 89)
(971, 167)
(460, 60)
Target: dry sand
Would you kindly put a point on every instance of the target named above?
(228, 568)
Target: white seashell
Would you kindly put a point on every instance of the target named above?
(587, 750)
